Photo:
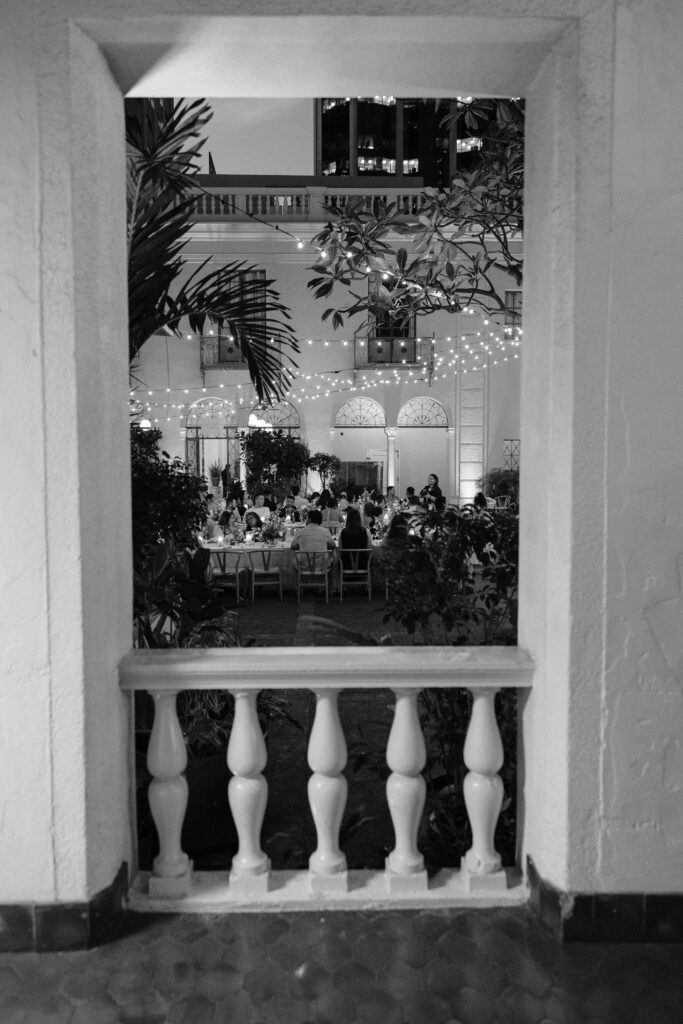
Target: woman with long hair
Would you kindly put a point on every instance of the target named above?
(354, 536)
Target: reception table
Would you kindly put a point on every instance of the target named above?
(281, 555)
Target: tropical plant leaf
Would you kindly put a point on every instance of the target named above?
(164, 140)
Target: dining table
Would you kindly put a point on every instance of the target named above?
(282, 555)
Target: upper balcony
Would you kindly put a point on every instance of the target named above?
(297, 199)
(377, 350)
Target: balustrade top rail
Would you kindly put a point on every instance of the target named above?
(334, 668)
(301, 199)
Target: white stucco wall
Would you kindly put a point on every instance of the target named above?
(641, 779)
(601, 434)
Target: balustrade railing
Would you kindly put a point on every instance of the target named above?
(326, 672)
(302, 204)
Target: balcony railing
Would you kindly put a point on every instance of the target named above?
(325, 671)
(374, 351)
(297, 201)
(219, 350)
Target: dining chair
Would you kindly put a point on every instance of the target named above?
(265, 569)
(226, 570)
(313, 569)
(354, 569)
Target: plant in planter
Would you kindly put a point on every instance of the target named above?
(215, 474)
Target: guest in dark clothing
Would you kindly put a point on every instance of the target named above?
(354, 535)
(431, 493)
(397, 534)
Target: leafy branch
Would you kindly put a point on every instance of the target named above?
(461, 238)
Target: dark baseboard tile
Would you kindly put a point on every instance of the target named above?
(605, 917)
(53, 927)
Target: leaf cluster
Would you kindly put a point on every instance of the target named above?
(325, 465)
(168, 503)
(455, 576)
(461, 236)
(164, 139)
(173, 604)
(264, 449)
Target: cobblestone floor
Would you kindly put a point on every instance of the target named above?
(445, 967)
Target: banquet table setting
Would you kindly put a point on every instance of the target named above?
(276, 554)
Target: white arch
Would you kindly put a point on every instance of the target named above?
(360, 412)
(422, 411)
(280, 416)
(212, 412)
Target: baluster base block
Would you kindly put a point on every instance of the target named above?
(251, 885)
(405, 884)
(496, 881)
(170, 888)
(338, 882)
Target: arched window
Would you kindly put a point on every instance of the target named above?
(422, 412)
(360, 412)
(278, 416)
(211, 415)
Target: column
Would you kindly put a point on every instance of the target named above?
(452, 479)
(392, 434)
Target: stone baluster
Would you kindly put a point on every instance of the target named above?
(167, 760)
(406, 757)
(483, 791)
(247, 794)
(327, 794)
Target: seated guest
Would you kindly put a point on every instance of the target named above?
(411, 497)
(343, 502)
(371, 513)
(295, 498)
(331, 512)
(260, 508)
(313, 536)
(290, 509)
(353, 535)
(231, 516)
(268, 500)
(252, 521)
(397, 534)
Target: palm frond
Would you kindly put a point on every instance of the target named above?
(163, 144)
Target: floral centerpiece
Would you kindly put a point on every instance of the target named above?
(271, 531)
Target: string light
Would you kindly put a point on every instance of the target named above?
(476, 353)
